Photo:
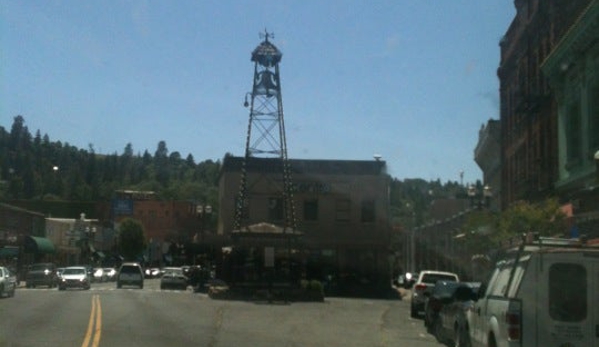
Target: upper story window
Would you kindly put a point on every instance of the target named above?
(594, 117)
(342, 210)
(367, 211)
(275, 209)
(311, 210)
(573, 133)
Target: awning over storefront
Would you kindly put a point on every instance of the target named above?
(34, 244)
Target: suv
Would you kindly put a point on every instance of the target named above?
(424, 286)
(130, 274)
(8, 282)
(543, 293)
(41, 274)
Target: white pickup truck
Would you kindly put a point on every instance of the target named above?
(543, 294)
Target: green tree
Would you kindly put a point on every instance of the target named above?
(484, 231)
(544, 218)
(132, 241)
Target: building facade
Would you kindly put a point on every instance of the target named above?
(342, 210)
(528, 112)
(487, 156)
(573, 72)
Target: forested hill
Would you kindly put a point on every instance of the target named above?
(32, 167)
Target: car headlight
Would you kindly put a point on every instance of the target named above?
(46, 272)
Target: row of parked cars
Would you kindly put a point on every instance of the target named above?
(128, 274)
(544, 292)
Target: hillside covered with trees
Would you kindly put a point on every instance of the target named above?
(34, 167)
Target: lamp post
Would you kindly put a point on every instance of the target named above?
(202, 212)
(481, 198)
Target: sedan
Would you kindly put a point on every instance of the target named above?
(110, 273)
(74, 277)
(99, 275)
(173, 277)
(452, 324)
(8, 282)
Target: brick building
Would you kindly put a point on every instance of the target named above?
(342, 210)
(528, 111)
(573, 73)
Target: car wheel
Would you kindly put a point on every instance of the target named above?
(462, 338)
(2, 291)
(437, 330)
(118, 285)
(60, 288)
(141, 286)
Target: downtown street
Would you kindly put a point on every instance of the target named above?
(106, 316)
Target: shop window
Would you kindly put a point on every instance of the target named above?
(568, 292)
(311, 210)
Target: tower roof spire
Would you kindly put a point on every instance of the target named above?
(267, 54)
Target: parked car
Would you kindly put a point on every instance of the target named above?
(8, 282)
(99, 275)
(110, 273)
(59, 272)
(543, 293)
(41, 274)
(130, 274)
(423, 287)
(153, 272)
(442, 290)
(173, 277)
(74, 277)
(452, 324)
(406, 280)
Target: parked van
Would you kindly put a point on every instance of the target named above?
(542, 294)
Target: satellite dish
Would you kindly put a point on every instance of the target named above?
(377, 157)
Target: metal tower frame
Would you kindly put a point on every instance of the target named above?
(266, 129)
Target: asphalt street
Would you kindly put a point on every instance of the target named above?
(106, 316)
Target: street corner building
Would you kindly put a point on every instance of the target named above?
(342, 216)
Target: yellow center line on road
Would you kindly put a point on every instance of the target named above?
(95, 319)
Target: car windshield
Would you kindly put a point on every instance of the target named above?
(433, 278)
(130, 270)
(302, 155)
(445, 288)
(74, 271)
(39, 267)
(173, 272)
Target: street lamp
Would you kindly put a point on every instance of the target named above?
(480, 199)
(203, 211)
(246, 103)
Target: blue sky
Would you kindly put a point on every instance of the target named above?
(410, 80)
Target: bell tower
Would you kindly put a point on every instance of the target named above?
(266, 135)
